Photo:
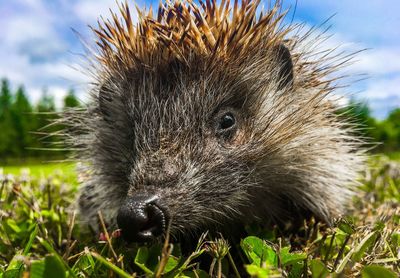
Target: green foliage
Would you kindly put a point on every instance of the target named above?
(5, 97)
(25, 128)
(392, 125)
(384, 135)
(46, 103)
(23, 122)
(374, 271)
(269, 259)
(39, 237)
(258, 252)
(70, 100)
(8, 133)
(48, 267)
(318, 269)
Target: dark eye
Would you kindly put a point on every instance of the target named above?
(227, 121)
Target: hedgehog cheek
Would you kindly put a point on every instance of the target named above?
(285, 67)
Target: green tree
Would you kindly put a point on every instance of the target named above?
(23, 122)
(393, 125)
(7, 134)
(70, 100)
(359, 114)
(46, 104)
(5, 97)
(394, 118)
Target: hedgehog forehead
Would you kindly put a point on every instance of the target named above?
(183, 28)
(184, 89)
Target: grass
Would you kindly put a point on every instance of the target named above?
(394, 156)
(40, 237)
(43, 169)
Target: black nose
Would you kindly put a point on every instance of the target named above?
(141, 218)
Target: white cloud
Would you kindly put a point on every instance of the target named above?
(34, 52)
(25, 27)
(379, 61)
(382, 88)
(381, 66)
(37, 42)
(89, 11)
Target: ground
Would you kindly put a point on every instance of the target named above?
(40, 237)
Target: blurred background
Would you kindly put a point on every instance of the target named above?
(42, 61)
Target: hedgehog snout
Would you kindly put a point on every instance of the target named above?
(141, 218)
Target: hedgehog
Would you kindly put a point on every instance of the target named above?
(205, 115)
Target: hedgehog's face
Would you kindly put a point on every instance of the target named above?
(192, 179)
(178, 153)
(181, 158)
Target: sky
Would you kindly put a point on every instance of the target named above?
(40, 50)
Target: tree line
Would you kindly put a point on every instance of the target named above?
(21, 124)
(381, 136)
(22, 136)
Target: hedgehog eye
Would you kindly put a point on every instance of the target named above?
(227, 121)
(226, 125)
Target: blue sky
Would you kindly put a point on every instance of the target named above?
(39, 49)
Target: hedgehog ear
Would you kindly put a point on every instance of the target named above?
(285, 64)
